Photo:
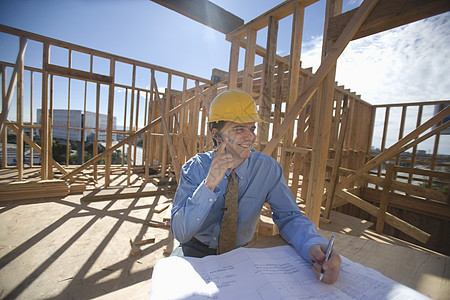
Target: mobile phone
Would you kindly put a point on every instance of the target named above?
(215, 138)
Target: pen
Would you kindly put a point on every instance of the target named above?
(327, 255)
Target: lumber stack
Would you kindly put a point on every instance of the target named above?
(33, 190)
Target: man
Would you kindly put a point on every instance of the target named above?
(200, 206)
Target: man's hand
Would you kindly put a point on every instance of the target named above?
(331, 266)
(222, 161)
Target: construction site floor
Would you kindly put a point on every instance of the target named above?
(72, 249)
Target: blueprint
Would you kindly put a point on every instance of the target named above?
(270, 273)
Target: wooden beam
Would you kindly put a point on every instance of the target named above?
(392, 220)
(45, 133)
(234, 63)
(389, 14)
(410, 203)
(19, 113)
(279, 12)
(175, 163)
(4, 134)
(388, 177)
(78, 74)
(293, 80)
(12, 83)
(268, 80)
(326, 65)
(205, 12)
(110, 120)
(249, 65)
(323, 116)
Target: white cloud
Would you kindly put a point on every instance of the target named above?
(405, 64)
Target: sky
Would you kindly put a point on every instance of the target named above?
(405, 64)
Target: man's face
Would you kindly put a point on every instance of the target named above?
(240, 138)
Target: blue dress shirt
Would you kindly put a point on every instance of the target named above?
(197, 210)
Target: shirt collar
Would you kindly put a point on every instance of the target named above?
(241, 170)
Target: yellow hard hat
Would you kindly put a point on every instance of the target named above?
(233, 105)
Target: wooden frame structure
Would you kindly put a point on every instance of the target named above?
(327, 163)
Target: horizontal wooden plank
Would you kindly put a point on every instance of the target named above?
(78, 74)
(388, 14)
(392, 220)
(439, 102)
(430, 173)
(419, 191)
(409, 203)
(205, 12)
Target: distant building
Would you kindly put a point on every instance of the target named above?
(60, 117)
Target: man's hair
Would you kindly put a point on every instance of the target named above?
(218, 125)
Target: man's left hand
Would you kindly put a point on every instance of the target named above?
(331, 267)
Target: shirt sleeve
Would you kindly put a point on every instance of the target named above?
(192, 203)
(294, 227)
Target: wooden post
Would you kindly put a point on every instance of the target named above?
(44, 114)
(234, 61)
(388, 177)
(95, 153)
(321, 142)
(249, 65)
(293, 82)
(19, 137)
(4, 133)
(278, 102)
(31, 120)
(110, 121)
(268, 81)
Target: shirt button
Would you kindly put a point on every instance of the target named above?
(210, 200)
(214, 238)
(242, 177)
(198, 219)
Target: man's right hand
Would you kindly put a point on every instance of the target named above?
(221, 162)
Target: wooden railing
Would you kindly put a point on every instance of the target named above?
(111, 87)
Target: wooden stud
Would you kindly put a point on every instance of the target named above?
(44, 115)
(268, 81)
(249, 65)
(321, 141)
(388, 177)
(19, 110)
(4, 133)
(234, 61)
(110, 121)
(293, 81)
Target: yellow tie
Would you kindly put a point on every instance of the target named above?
(227, 237)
